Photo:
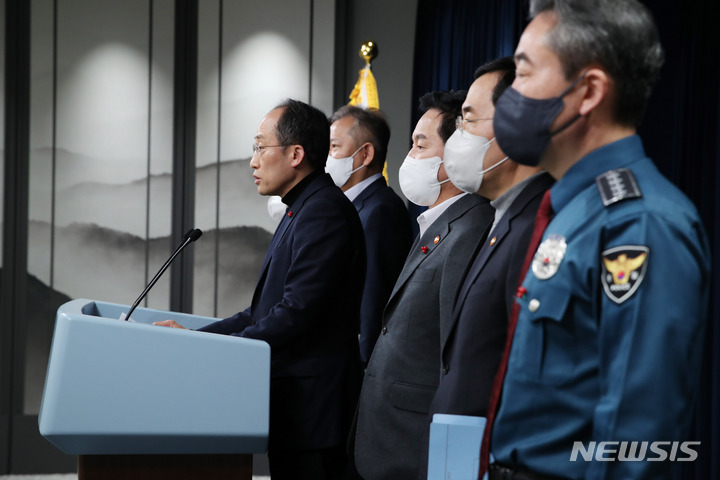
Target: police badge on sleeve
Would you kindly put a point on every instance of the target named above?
(548, 256)
(623, 270)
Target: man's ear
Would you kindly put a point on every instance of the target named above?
(597, 83)
(369, 151)
(298, 154)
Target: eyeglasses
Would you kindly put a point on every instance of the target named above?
(460, 122)
(258, 149)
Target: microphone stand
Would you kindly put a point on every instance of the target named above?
(189, 237)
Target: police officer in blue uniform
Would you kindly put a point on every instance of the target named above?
(604, 363)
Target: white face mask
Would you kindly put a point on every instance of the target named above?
(276, 209)
(464, 160)
(419, 180)
(340, 169)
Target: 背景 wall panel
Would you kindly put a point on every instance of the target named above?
(250, 60)
(101, 148)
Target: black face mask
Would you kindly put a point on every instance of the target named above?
(522, 124)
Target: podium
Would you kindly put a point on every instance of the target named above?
(135, 400)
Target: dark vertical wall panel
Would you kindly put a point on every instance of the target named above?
(186, 48)
(17, 100)
(4, 345)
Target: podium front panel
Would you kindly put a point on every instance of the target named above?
(117, 387)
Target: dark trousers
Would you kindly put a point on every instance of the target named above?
(322, 464)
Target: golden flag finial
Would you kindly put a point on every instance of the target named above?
(365, 93)
(368, 51)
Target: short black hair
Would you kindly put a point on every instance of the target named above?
(370, 126)
(305, 125)
(449, 103)
(505, 66)
(619, 35)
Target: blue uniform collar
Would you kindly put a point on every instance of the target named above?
(620, 153)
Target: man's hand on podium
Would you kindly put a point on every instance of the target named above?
(169, 323)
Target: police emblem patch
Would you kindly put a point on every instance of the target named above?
(623, 270)
(548, 256)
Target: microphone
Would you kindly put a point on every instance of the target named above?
(191, 235)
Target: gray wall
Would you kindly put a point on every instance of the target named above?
(391, 24)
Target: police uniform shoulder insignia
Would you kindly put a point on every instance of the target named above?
(617, 185)
(623, 270)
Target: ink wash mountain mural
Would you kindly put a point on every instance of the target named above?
(106, 199)
(115, 261)
(98, 237)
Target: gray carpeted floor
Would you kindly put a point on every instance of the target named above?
(60, 476)
(70, 476)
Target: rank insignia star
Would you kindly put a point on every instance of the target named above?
(623, 270)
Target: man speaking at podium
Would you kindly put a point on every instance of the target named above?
(307, 298)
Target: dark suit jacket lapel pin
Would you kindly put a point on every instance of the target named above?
(424, 249)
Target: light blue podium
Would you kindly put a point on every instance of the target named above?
(129, 397)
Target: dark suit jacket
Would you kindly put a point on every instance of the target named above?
(403, 372)
(306, 307)
(473, 344)
(386, 224)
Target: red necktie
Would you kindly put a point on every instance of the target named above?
(542, 219)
